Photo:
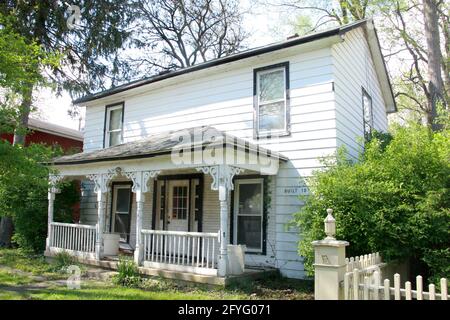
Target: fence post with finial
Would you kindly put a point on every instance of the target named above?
(329, 263)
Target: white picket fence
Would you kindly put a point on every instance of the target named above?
(365, 262)
(357, 286)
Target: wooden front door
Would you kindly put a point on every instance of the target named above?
(178, 205)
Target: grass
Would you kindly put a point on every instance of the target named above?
(19, 285)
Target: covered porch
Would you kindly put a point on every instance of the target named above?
(169, 201)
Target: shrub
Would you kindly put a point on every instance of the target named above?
(395, 200)
(63, 260)
(23, 193)
(128, 273)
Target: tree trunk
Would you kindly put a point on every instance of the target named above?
(6, 224)
(6, 231)
(25, 108)
(435, 85)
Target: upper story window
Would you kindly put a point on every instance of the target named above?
(271, 100)
(113, 125)
(367, 113)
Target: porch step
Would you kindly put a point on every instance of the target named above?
(125, 249)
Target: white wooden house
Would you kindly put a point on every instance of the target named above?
(253, 126)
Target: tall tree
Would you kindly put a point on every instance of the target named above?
(178, 34)
(90, 48)
(435, 83)
(410, 44)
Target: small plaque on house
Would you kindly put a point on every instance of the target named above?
(296, 190)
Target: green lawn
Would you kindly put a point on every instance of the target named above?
(27, 276)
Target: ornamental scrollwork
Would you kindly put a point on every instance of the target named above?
(54, 180)
(221, 175)
(140, 179)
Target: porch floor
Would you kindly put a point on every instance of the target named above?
(111, 263)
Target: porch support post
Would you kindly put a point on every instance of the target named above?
(52, 190)
(101, 181)
(140, 180)
(223, 252)
(101, 209)
(223, 182)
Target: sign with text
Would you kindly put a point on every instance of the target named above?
(295, 190)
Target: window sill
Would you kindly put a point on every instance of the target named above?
(281, 134)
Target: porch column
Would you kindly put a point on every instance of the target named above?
(53, 181)
(101, 181)
(223, 182)
(140, 180)
(223, 252)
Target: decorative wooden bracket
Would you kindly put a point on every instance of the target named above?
(222, 175)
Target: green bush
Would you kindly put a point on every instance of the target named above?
(395, 200)
(128, 273)
(63, 260)
(23, 193)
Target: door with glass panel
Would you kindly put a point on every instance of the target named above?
(248, 214)
(121, 211)
(178, 205)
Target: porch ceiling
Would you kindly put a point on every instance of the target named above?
(194, 139)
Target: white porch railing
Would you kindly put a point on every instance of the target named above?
(75, 238)
(181, 251)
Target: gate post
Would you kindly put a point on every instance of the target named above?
(329, 263)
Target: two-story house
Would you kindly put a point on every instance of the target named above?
(184, 163)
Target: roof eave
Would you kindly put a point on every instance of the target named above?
(216, 62)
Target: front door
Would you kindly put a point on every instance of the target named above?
(178, 205)
(121, 211)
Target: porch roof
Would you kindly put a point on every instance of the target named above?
(164, 143)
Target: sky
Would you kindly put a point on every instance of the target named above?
(261, 24)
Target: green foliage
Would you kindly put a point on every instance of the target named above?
(128, 273)
(21, 60)
(62, 261)
(23, 193)
(395, 200)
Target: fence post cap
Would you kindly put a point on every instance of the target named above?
(330, 225)
(330, 243)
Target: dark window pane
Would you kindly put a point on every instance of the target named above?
(249, 231)
(123, 201)
(272, 116)
(250, 199)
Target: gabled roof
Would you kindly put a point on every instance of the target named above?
(54, 129)
(163, 144)
(295, 41)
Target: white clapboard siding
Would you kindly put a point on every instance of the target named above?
(354, 68)
(326, 112)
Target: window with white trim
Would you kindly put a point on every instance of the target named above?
(271, 99)
(248, 220)
(113, 125)
(367, 114)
